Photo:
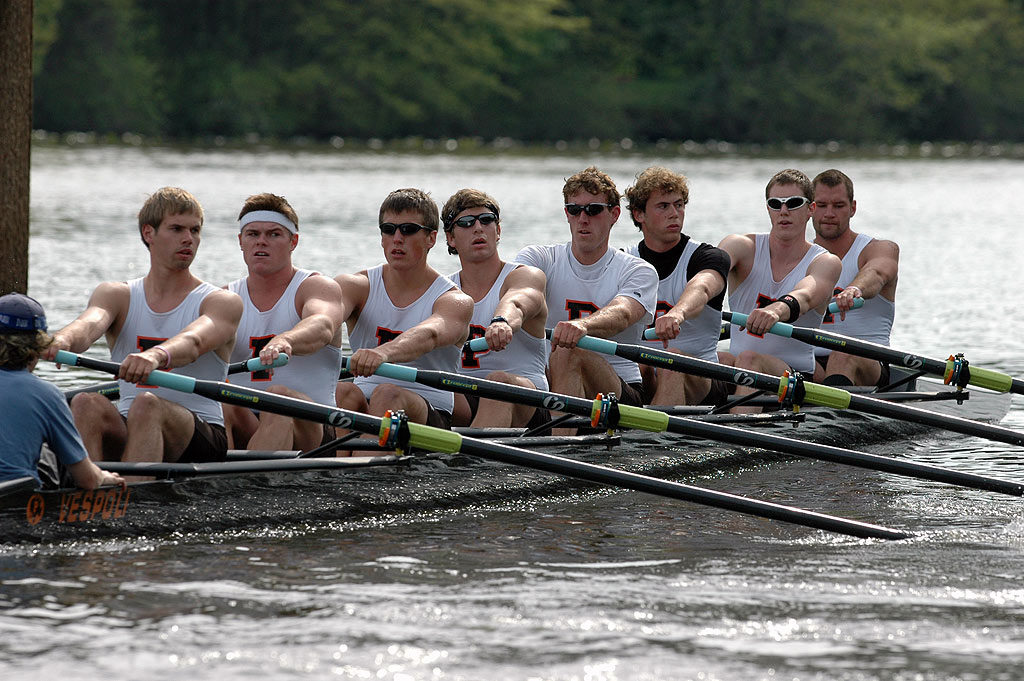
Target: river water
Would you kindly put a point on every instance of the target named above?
(565, 582)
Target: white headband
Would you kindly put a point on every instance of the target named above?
(267, 216)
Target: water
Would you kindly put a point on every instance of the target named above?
(562, 582)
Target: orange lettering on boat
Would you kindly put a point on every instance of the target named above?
(34, 509)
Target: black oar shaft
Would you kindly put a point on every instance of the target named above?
(447, 441)
(646, 419)
(815, 394)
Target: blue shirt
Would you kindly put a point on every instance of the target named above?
(32, 412)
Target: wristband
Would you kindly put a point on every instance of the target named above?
(498, 319)
(792, 304)
(167, 355)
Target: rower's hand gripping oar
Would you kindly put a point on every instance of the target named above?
(438, 440)
(651, 335)
(110, 388)
(651, 420)
(955, 370)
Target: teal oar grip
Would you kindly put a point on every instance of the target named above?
(826, 396)
(434, 439)
(477, 344)
(389, 370)
(163, 379)
(986, 378)
(602, 345)
(254, 363)
(643, 419)
(778, 328)
(857, 302)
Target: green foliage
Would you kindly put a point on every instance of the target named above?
(767, 71)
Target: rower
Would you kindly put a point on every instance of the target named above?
(286, 310)
(691, 290)
(32, 411)
(403, 311)
(870, 271)
(168, 319)
(509, 311)
(593, 290)
(778, 277)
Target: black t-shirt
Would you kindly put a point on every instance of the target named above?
(706, 257)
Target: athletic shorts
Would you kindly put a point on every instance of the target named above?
(438, 418)
(209, 443)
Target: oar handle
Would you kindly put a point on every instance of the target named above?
(388, 370)
(255, 364)
(163, 379)
(779, 329)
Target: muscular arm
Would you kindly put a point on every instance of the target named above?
(321, 309)
(105, 313)
(813, 291)
(701, 288)
(619, 313)
(355, 289)
(447, 325)
(740, 248)
(879, 264)
(213, 330)
(523, 304)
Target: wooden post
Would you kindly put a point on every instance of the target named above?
(15, 141)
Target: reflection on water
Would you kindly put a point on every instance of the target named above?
(569, 583)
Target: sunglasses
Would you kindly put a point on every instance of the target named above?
(791, 203)
(470, 220)
(590, 209)
(406, 228)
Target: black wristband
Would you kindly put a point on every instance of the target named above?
(792, 304)
(498, 319)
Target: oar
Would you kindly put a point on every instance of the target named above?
(656, 421)
(18, 485)
(952, 370)
(435, 439)
(112, 390)
(799, 391)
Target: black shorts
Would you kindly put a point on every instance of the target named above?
(209, 443)
(718, 393)
(631, 393)
(438, 418)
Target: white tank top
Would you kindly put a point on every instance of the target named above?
(697, 337)
(873, 321)
(575, 290)
(380, 320)
(144, 328)
(315, 375)
(525, 356)
(759, 290)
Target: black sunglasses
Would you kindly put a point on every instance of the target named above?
(590, 209)
(791, 203)
(406, 228)
(470, 220)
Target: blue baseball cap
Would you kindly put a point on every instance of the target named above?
(21, 314)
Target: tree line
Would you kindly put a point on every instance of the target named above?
(744, 71)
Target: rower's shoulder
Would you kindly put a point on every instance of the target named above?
(222, 302)
(881, 248)
(524, 276)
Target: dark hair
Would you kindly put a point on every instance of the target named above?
(593, 181)
(790, 176)
(654, 179)
(834, 178)
(460, 201)
(410, 199)
(18, 350)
